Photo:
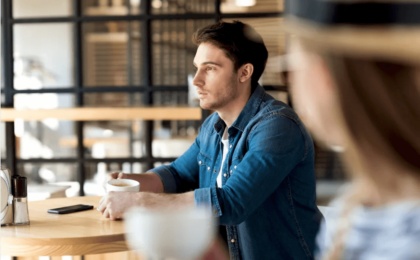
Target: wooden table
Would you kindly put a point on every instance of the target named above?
(80, 233)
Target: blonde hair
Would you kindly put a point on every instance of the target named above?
(380, 107)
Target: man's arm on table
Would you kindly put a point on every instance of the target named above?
(115, 204)
(276, 146)
(178, 177)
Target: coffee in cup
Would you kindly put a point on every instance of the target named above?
(123, 185)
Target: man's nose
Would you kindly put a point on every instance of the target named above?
(198, 80)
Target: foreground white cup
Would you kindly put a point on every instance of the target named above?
(123, 185)
(183, 234)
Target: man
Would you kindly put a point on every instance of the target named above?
(252, 161)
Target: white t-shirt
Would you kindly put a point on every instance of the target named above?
(225, 152)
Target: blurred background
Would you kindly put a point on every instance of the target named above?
(67, 54)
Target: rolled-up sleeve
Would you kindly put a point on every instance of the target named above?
(182, 174)
(167, 178)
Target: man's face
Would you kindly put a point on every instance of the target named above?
(216, 79)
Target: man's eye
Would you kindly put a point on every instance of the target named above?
(210, 68)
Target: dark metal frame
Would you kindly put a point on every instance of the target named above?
(147, 85)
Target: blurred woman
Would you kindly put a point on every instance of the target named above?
(356, 84)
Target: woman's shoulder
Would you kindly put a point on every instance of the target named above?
(390, 232)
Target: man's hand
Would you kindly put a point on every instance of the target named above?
(116, 175)
(121, 175)
(115, 204)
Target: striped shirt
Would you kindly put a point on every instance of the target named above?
(383, 233)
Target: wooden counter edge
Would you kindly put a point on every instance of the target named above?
(60, 250)
(61, 241)
(103, 113)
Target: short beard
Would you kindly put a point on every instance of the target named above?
(230, 94)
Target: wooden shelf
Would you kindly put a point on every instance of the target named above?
(103, 114)
(89, 141)
(107, 10)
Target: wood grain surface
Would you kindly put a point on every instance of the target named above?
(80, 233)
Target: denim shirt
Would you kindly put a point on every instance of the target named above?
(267, 198)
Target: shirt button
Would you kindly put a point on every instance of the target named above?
(224, 175)
(235, 167)
(208, 168)
(231, 171)
(230, 146)
(233, 240)
(199, 162)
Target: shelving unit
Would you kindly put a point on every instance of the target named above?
(131, 61)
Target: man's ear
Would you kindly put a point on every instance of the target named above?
(245, 72)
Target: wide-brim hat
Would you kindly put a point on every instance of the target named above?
(387, 29)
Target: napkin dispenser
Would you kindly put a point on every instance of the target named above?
(14, 201)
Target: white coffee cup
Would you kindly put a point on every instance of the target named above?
(123, 185)
(170, 234)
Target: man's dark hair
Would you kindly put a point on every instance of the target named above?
(240, 42)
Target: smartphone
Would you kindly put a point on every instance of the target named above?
(70, 209)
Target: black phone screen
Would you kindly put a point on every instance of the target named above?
(70, 209)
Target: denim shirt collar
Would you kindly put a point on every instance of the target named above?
(247, 112)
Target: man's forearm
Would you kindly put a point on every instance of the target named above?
(115, 204)
(149, 182)
(150, 200)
